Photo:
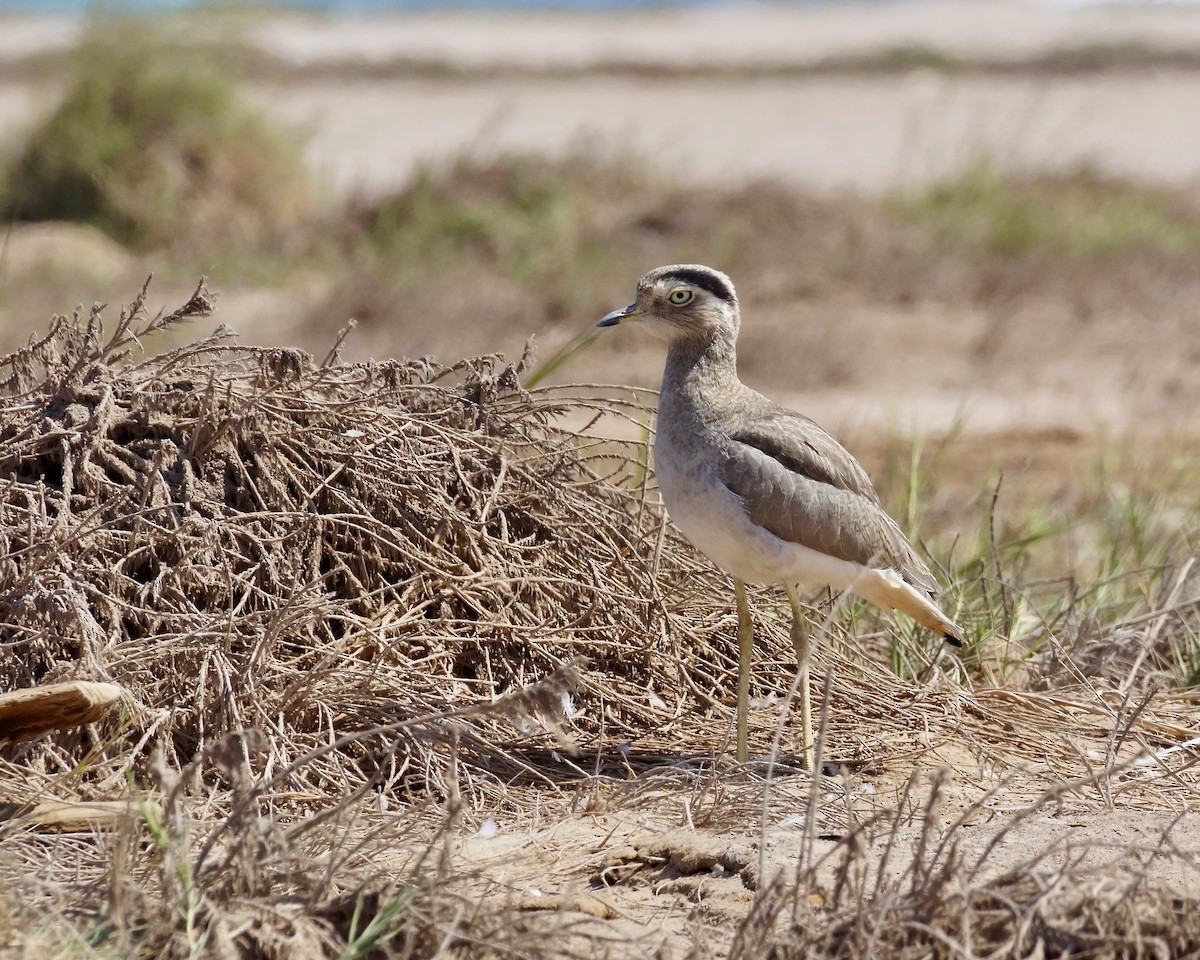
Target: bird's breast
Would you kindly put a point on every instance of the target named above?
(708, 513)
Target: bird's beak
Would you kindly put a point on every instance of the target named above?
(631, 312)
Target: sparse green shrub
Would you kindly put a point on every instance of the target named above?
(1080, 214)
(152, 144)
(526, 217)
(498, 248)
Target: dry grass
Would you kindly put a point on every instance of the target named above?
(363, 608)
(924, 895)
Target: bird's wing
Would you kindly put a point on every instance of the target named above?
(800, 484)
(804, 448)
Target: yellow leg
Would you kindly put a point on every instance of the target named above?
(800, 642)
(745, 646)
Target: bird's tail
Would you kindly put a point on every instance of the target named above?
(887, 589)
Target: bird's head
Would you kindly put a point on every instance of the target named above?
(683, 301)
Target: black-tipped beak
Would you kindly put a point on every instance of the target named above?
(617, 316)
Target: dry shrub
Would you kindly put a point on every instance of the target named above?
(366, 575)
(244, 538)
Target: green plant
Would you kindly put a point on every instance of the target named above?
(153, 145)
(578, 344)
(1081, 214)
(521, 215)
(381, 928)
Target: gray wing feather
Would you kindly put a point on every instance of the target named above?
(800, 484)
(804, 448)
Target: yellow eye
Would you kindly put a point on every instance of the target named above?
(680, 297)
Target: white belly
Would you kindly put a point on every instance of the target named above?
(714, 519)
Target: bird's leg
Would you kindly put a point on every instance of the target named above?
(800, 642)
(745, 646)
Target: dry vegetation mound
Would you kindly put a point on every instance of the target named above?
(243, 537)
(302, 573)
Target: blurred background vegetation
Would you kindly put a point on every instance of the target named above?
(152, 144)
(155, 156)
(1028, 290)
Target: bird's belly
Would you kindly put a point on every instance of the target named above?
(714, 519)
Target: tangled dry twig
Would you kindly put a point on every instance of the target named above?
(245, 539)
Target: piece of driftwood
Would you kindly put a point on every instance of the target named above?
(68, 815)
(56, 706)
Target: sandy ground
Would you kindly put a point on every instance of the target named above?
(870, 134)
(649, 888)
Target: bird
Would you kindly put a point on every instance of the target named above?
(764, 492)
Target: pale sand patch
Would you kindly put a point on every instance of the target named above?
(866, 133)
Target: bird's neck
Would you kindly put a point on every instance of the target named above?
(697, 372)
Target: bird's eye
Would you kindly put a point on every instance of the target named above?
(680, 297)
